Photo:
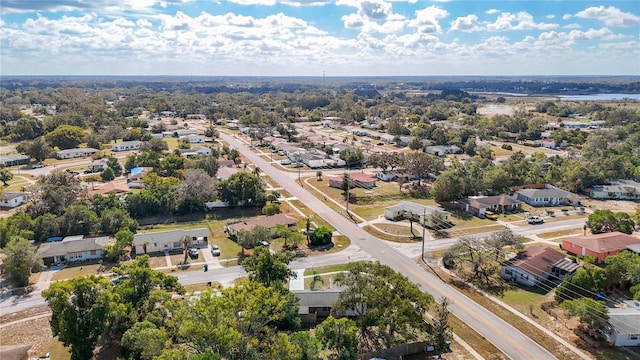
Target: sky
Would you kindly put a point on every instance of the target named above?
(316, 37)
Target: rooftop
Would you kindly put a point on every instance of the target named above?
(603, 243)
(537, 260)
(267, 221)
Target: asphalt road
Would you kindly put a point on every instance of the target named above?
(505, 337)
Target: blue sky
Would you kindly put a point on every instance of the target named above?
(309, 37)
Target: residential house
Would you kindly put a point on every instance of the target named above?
(358, 180)
(75, 153)
(137, 173)
(15, 352)
(233, 126)
(546, 143)
(387, 138)
(442, 150)
(599, 246)
(195, 152)
(537, 264)
(11, 160)
(549, 196)
(72, 249)
(624, 324)
(478, 205)
(635, 248)
(113, 187)
(99, 165)
(178, 133)
(269, 222)
(618, 190)
(386, 176)
(315, 306)
(126, 146)
(194, 139)
(226, 163)
(428, 215)
(225, 172)
(169, 240)
(13, 199)
(168, 114)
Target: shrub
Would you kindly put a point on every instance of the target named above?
(271, 209)
(320, 236)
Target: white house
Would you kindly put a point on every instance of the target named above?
(126, 146)
(195, 152)
(72, 249)
(167, 240)
(620, 189)
(427, 215)
(13, 199)
(537, 264)
(75, 153)
(624, 321)
(194, 139)
(386, 175)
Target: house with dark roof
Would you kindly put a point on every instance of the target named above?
(620, 189)
(549, 196)
(624, 324)
(268, 222)
(13, 199)
(427, 215)
(599, 246)
(74, 248)
(11, 160)
(537, 264)
(478, 205)
(169, 240)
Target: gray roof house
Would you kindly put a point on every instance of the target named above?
(126, 146)
(624, 321)
(442, 150)
(75, 153)
(168, 240)
(618, 190)
(72, 249)
(15, 159)
(549, 196)
(424, 213)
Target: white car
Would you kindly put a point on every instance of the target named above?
(285, 162)
(535, 220)
(37, 166)
(215, 250)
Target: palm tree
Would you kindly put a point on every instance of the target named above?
(319, 175)
(257, 171)
(314, 282)
(307, 220)
(283, 231)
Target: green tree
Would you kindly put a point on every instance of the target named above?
(114, 164)
(186, 242)
(604, 220)
(269, 269)
(112, 220)
(339, 336)
(170, 166)
(321, 236)
(448, 186)
(389, 308)
(352, 157)
(441, 332)
(65, 137)
(54, 193)
(308, 346)
(79, 308)
(271, 209)
(242, 189)
(423, 165)
(475, 261)
(108, 174)
(79, 219)
(249, 239)
(5, 175)
(593, 313)
(144, 341)
(155, 144)
(37, 149)
(21, 260)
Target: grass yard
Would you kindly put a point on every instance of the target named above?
(395, 238)
(340, 242)
(17, 184)
(400, 230)
(73, 271)
(498, 151)
(157, 259)
(325, 269)
(560, 233)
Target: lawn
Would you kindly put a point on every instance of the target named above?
(73, 271)
(498, 151)
(17, 184)
(157, 259)
(395, 238)
(560, 233)
(325, 269)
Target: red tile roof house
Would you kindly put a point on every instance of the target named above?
(477, 206)
(599, 246)
(361, 180)
(537, 264)
(267, 221)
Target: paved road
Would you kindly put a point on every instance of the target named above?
(508, 339)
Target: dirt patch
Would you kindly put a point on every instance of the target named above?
(613, 205)
(35, 332)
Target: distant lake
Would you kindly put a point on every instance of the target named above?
(600, 97)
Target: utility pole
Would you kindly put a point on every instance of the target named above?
(348, 187)
(424, 228)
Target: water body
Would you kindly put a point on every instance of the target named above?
(600, 97)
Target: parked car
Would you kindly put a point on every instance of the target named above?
(535, 220)
(490, 215)
(73, 172)
(89, 171)
(215, 250)
(285, 162)
(37, 166)
(263, 243)
(193, 253)
(118, 279)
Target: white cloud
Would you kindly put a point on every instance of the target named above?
(426, 20)
(610, 16)
(523, 20)
(572, 26)
(492, 11)
(375, 10)
(566, 16)
(143, 23)
(551, 16)
(353, 21)
(9, 6)
(467, 23)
